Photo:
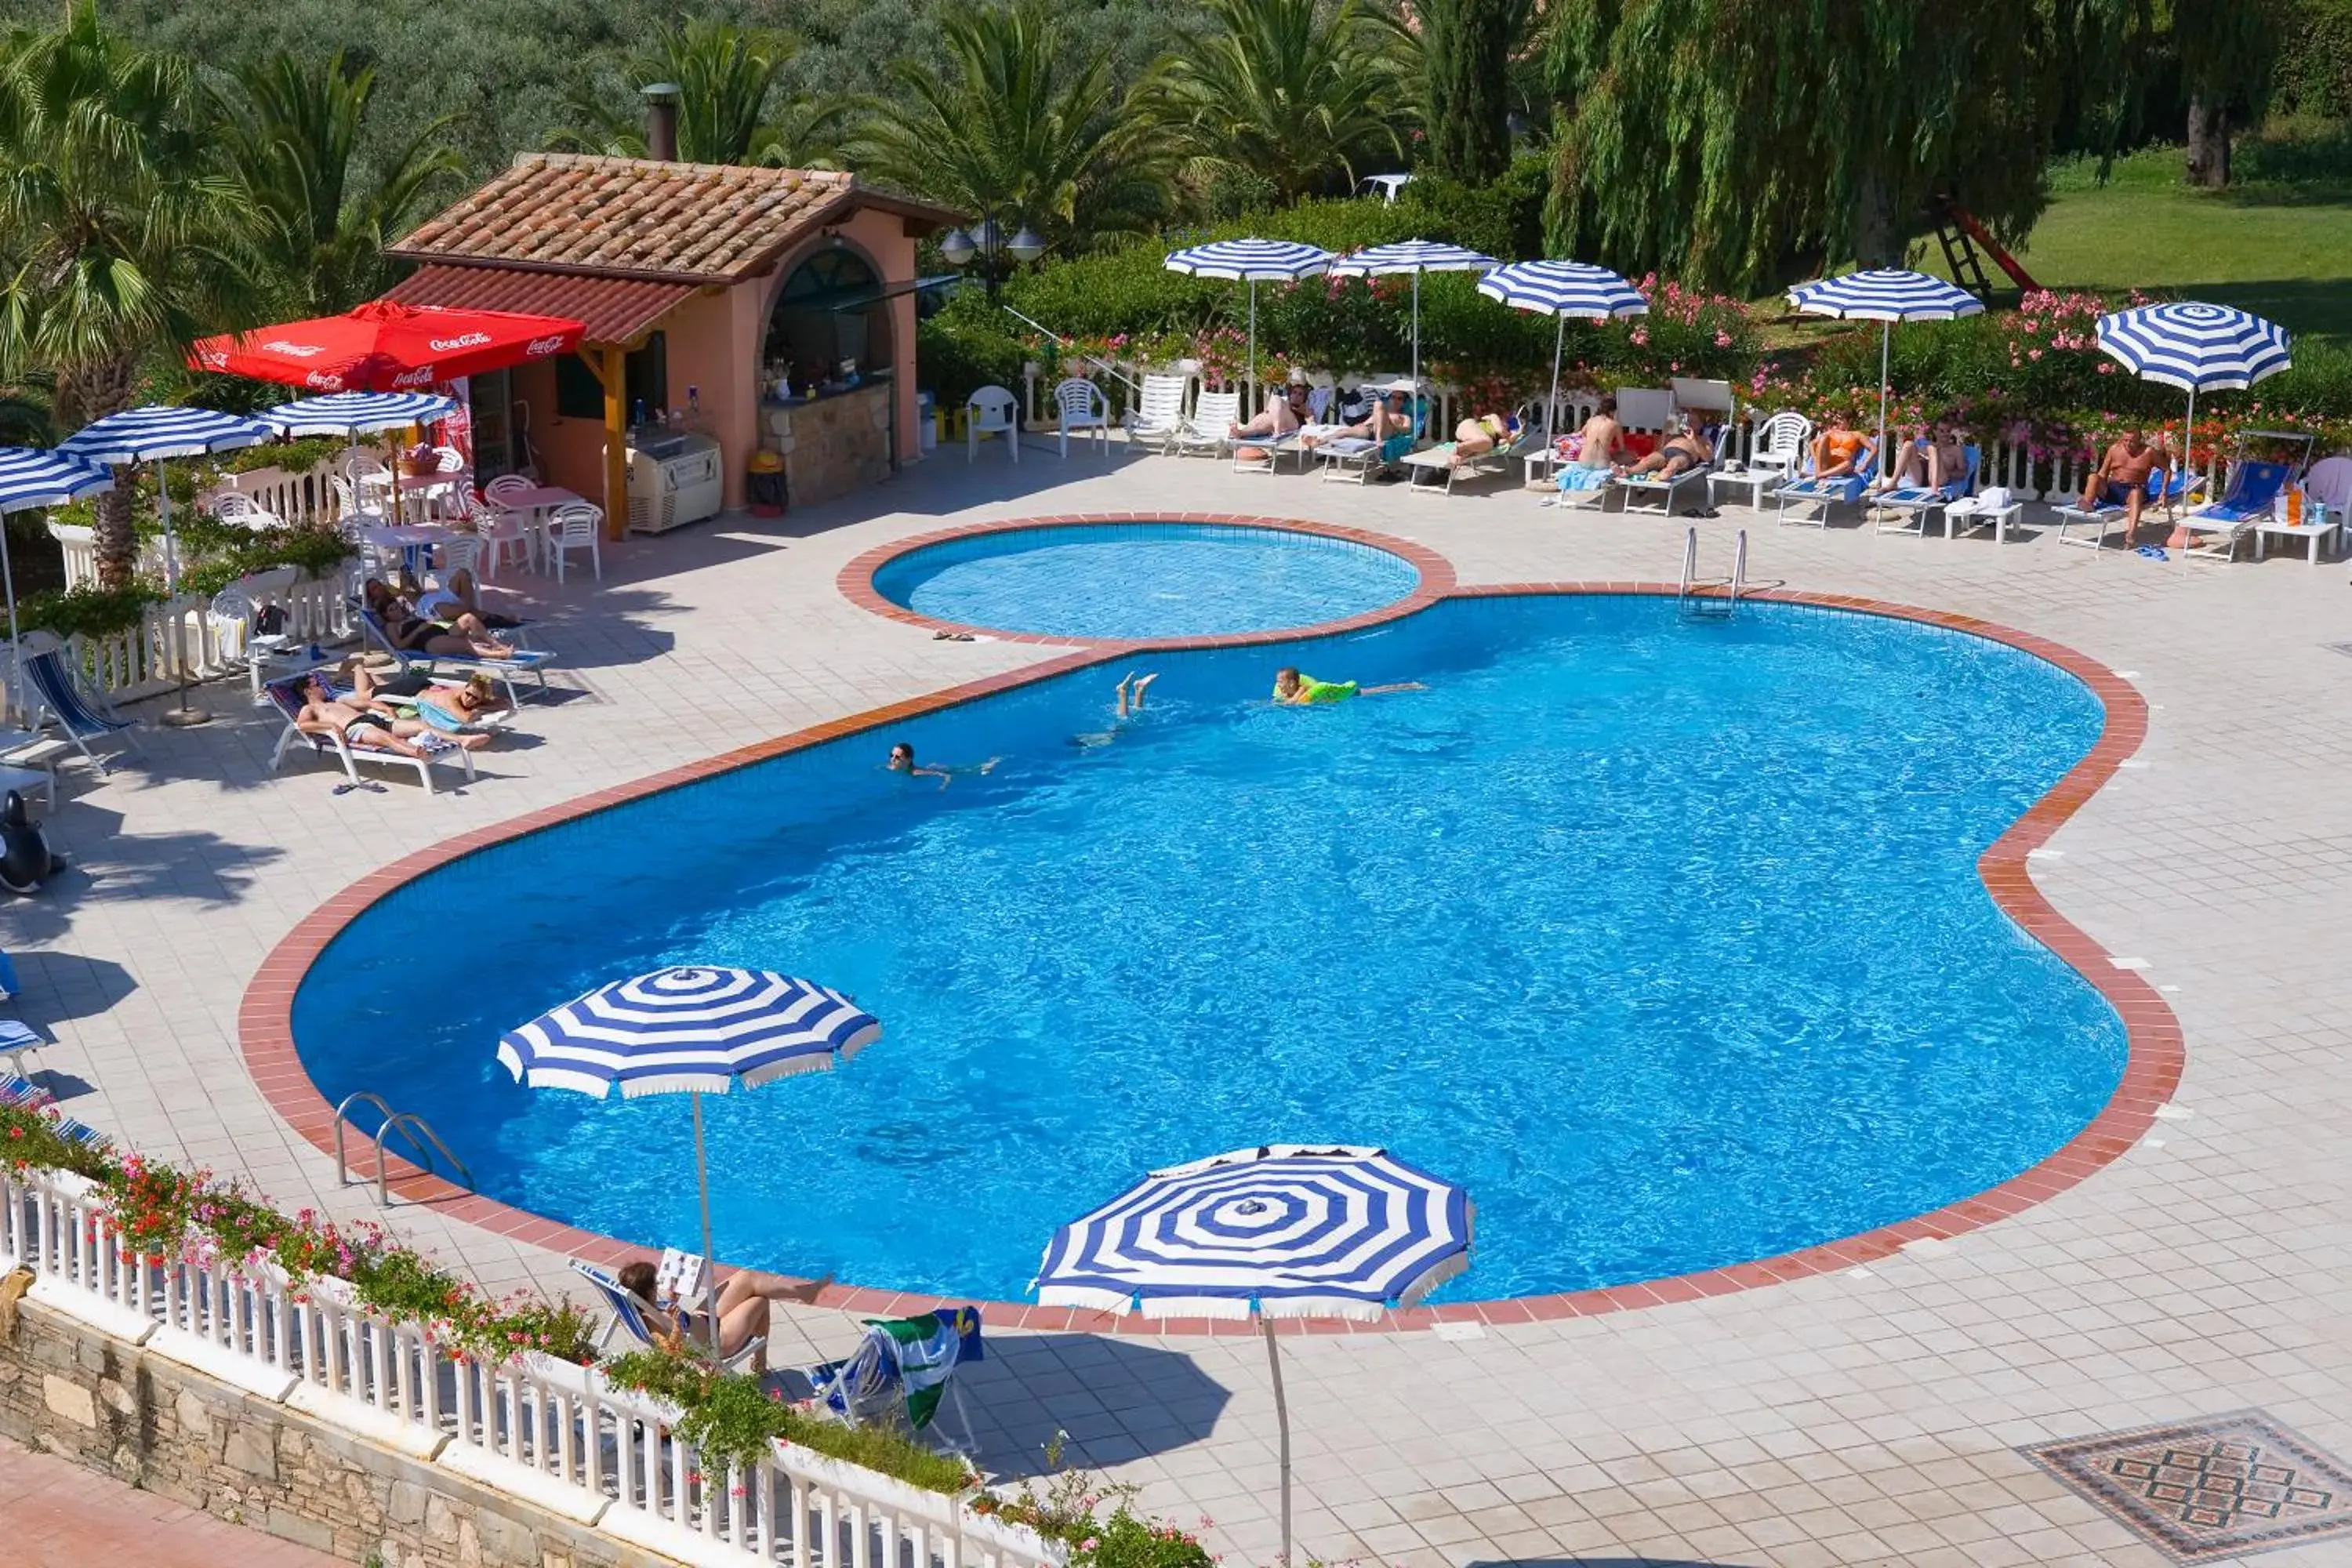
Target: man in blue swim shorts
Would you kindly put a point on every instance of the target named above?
(2121, 477)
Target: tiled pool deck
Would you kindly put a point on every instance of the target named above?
(1854, 1417)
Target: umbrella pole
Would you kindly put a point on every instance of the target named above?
(16, 663)
(1886, 349)
(2188, 446)
(1552, 409)
(1251, 411)
(1282, 1420)
(709, 1264)
(1416, 335)
(182, 716)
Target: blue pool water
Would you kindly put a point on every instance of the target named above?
(1145, 580)
(1666, 940)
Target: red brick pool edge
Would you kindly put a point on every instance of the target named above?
(2152, 1069)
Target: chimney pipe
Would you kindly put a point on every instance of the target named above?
(661, 121)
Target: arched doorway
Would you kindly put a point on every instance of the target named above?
(830, 312)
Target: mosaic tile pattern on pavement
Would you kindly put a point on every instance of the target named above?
(2210, 1489)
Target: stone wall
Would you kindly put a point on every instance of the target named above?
(156, 1423)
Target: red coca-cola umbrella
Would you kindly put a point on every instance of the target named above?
(385, 347)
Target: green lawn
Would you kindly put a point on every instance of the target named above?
(2280, 244)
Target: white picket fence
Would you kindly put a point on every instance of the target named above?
(550, 1433)
(2049, 477)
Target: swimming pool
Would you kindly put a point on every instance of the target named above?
(1144, 579)
(1666, 940)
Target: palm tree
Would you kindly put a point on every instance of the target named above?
(1292, 91)
(728, 112)
(288, 135)
(1021, 129)
(116, 233)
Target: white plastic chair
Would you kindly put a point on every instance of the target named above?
(500, 531)
(463, 553)
(1083, 408)
(1157, 417)
(579, 526)
(232, 613)
(1211, 428)
(1781, 443)
(230, 506)
(988, 411)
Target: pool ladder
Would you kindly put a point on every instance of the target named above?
(410, 1126)
(1696, 596)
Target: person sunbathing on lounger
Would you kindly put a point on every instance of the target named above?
(1473, 439)
(1837, 448)
(742, 1309)
(2121, 477)
(1280, 418)
(1686, 449)
(365, 720)
(1931, 456)
(1389, 417)
(452, 707)
(464, 636)
(460, 595)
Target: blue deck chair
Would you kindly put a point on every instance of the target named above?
(18, 1090)
(526, 661)
(8, 986)
(903, 1366)
(1913, 505)
(2253, 492)
(629, 1318)
(1358, 458)
(1625, 487)
(60, 700)
(2166, 489)
(1825, 494)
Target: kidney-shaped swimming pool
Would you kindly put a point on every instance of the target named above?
(1665, 939)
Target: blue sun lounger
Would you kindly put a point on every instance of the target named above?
(2254, 490)
(533, 662)
(1825, 494)
(2164, 489)
(1913, 505)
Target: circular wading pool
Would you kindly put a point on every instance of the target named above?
(1144, 580)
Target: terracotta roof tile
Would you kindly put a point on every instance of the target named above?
(613, 309)
(701, 223)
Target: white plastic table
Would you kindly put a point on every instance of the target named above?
(1972, 514)
(2318, 533)
(1758, 483)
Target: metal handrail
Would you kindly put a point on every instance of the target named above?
(1060, 342)
(1690, 563)
(410, 1126)
(1740, 568)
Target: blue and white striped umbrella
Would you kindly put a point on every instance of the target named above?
(1576, 289)
(1562, 289)
(152, 435)
(1415, 257)
(687, 1030)
(1290, 1230)
(359, 413)
(693, 1029)
(1252, 261)
(30, 479)
(2196, 347)
(160, 431)
(1886, 295)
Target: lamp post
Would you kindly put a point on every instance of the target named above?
(986, 241)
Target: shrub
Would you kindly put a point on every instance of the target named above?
(87, 611)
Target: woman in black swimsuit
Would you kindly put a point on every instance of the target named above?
(464, 638)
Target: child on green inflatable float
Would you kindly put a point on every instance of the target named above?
(1293, 690)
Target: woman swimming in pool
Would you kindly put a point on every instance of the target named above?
(902, 760)
(1292, 690)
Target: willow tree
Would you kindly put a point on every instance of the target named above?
(2227, 51)
(1465, 55)
(1734, 142)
